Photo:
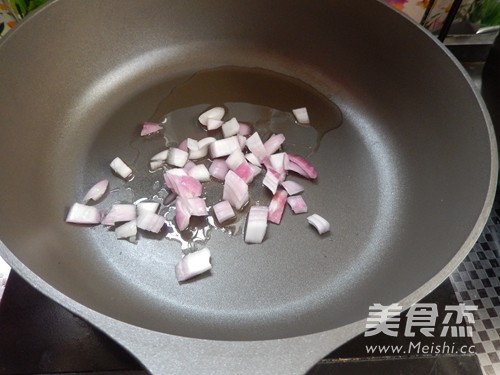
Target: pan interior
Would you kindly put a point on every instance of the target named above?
(401, 182)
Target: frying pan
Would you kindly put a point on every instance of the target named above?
(407, 179)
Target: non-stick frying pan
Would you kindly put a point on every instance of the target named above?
(406, 180)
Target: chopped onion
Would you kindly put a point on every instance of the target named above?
(120, 213)
(213, 124)
(272, 179)
(177, 157)
(230, 128)
(216, 113)
(96, 191)
(279, 161)
(193, 264)
(162, 156)
(149, 128)
(223, 211)
(242, 140)
(200, 172)
(196, 206)
(224, 147)
(150, 221)
(235, 159)
(188, 166)
(255, 170)
(245, 171)
(256, 224)
(192, 144)
(253, 159)
(274, 143)
(292, 187)
(255, 145)
(182, 184)
(83, 214)
(235, 190)
(218, 169)
(127, 230)
(321, 225)
(277, 206)
(182, 214)
(301, 115)
(120, 168)
(183, 146)
(204, 142)
(297, 204)
(147, 207)
(245, 129)
(155, 164)
(308, 170)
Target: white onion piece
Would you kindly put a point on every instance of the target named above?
(120, 213)
(223, 211)
(196, 206)
(230, 128)
(235, 159)
(182, 184)
(150, 128)
(255, 145)
(235, 190)
(82, 214)
(127, 230)
(255, 170)
(256, 224)
(308, 169)
(147, 207)
(200, 172)
(193, 264)
(297, 204)
(218, 169)
(216, 113)
(198, 154)
(150, 221)
(242, 140)
(122, 169)
(162, 155)
(321, 225)
(245, 129)
(292, 187)
(277, 206)
(274, 143)
(96, 191)
(253, 159)
(279, 161)
(213, 124)
(156, 164)
(188, 166)
(177, 157)
(301, 115)
(205, 141)
(182, 214)
(272, 179)
(192, 144)
(224, 147)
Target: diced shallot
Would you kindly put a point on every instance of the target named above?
(202, 150)
(297, 204)
(272, 179)
(224, 147)
(120, 213)
(235, 190)
(177, 157)
(292, 187)
(200, 172)
(182, 184)
(147, 207)
(305, 166)
(279, 161)
(196, 206)
(156, 164)
(245, 171)
(230, 128)
(245, 129)
(301, 115)
(127, 230)
(122, 169)
(235, 159)
(150, 222)
(83, 214)
(255, 145)
(182, 214)
(150, 128)
(193, 264)
(188, 166)
(213, 124)
(223, 211)
(277, 206)
(162, 155)
(253, 159)
(218, 169)
(256, 224)
(96, 191)
(183, 146)
(321, 225)
(216, 113)
(274, 143)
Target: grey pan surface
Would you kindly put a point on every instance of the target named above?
(413, 165)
